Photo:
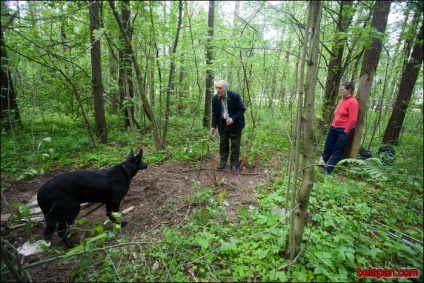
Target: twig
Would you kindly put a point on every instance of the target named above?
(177, 209)
(297, 256)
(213, 180)
(242, 173)
(79, 253)
(8, 257)
(294, 260)
(185, 215)
(8, 205)
(214, 175)
(238, 175)
(17, 226)
(201, 160)
(113, 265)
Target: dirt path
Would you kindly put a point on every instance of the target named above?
(158, 196)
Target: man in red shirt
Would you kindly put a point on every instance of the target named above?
(342, 128)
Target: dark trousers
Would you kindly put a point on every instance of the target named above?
(334, 146)
(229, 134)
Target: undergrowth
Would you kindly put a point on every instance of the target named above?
(345, 232)
(359, 216)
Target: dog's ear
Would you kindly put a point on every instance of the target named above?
(131, 153)
(140, 153)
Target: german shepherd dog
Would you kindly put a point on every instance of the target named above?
(60, 198)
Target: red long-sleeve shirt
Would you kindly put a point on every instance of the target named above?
(346, 114)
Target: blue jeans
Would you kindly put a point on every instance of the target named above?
(334, 146)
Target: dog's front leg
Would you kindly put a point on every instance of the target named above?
(109, 211)
(114, 207)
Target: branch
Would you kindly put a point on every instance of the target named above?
(79, 253)
(7, 257)
(298, 255)
(294, 260)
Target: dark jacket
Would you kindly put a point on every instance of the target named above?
(235, 110)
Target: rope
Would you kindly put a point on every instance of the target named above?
(405, 241)
(91, 211)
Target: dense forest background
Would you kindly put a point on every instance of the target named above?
(152, 61)
(82, 82)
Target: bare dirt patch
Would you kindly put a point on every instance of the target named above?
(159, 196)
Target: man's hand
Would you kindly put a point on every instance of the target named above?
(229, 121)
(212, 131)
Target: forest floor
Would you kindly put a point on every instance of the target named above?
(160, 196)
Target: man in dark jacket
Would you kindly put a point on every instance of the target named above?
(228, 115)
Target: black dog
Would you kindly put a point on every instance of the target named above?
(61, 196)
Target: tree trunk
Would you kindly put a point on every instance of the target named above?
(125, 69)
(285, 88)
(369, 65)
(406, 87)
(308, 170)
(273, 90)
(114, 95)
(234, 33)
(152, 87)
(335, 68)
(9, 107)
(96, 68)
(146, 105)
(182, 89)
(296, 138)
(209, 73)
(181, 76)
(171, 84)
(156, 48)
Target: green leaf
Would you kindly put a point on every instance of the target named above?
(98, 237)
(263, 253)
(201, 241)
(350, 256)
(73, 251)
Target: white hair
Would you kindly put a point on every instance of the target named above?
(224, 82)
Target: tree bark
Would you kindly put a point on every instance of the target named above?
(114, 95)
(234, 33)
(308, 170)
(158, 66)
(406, 87)
(10, 115)
(156, 133)
(171, 84)
(369, 66)
(182, 88)
(126, 86)
(296, 137)
(209, 74)
(335, 68)
(96, 69)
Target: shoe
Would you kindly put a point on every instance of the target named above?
(233, 168)
(321, 161)
(221, 165)
(325, 172)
